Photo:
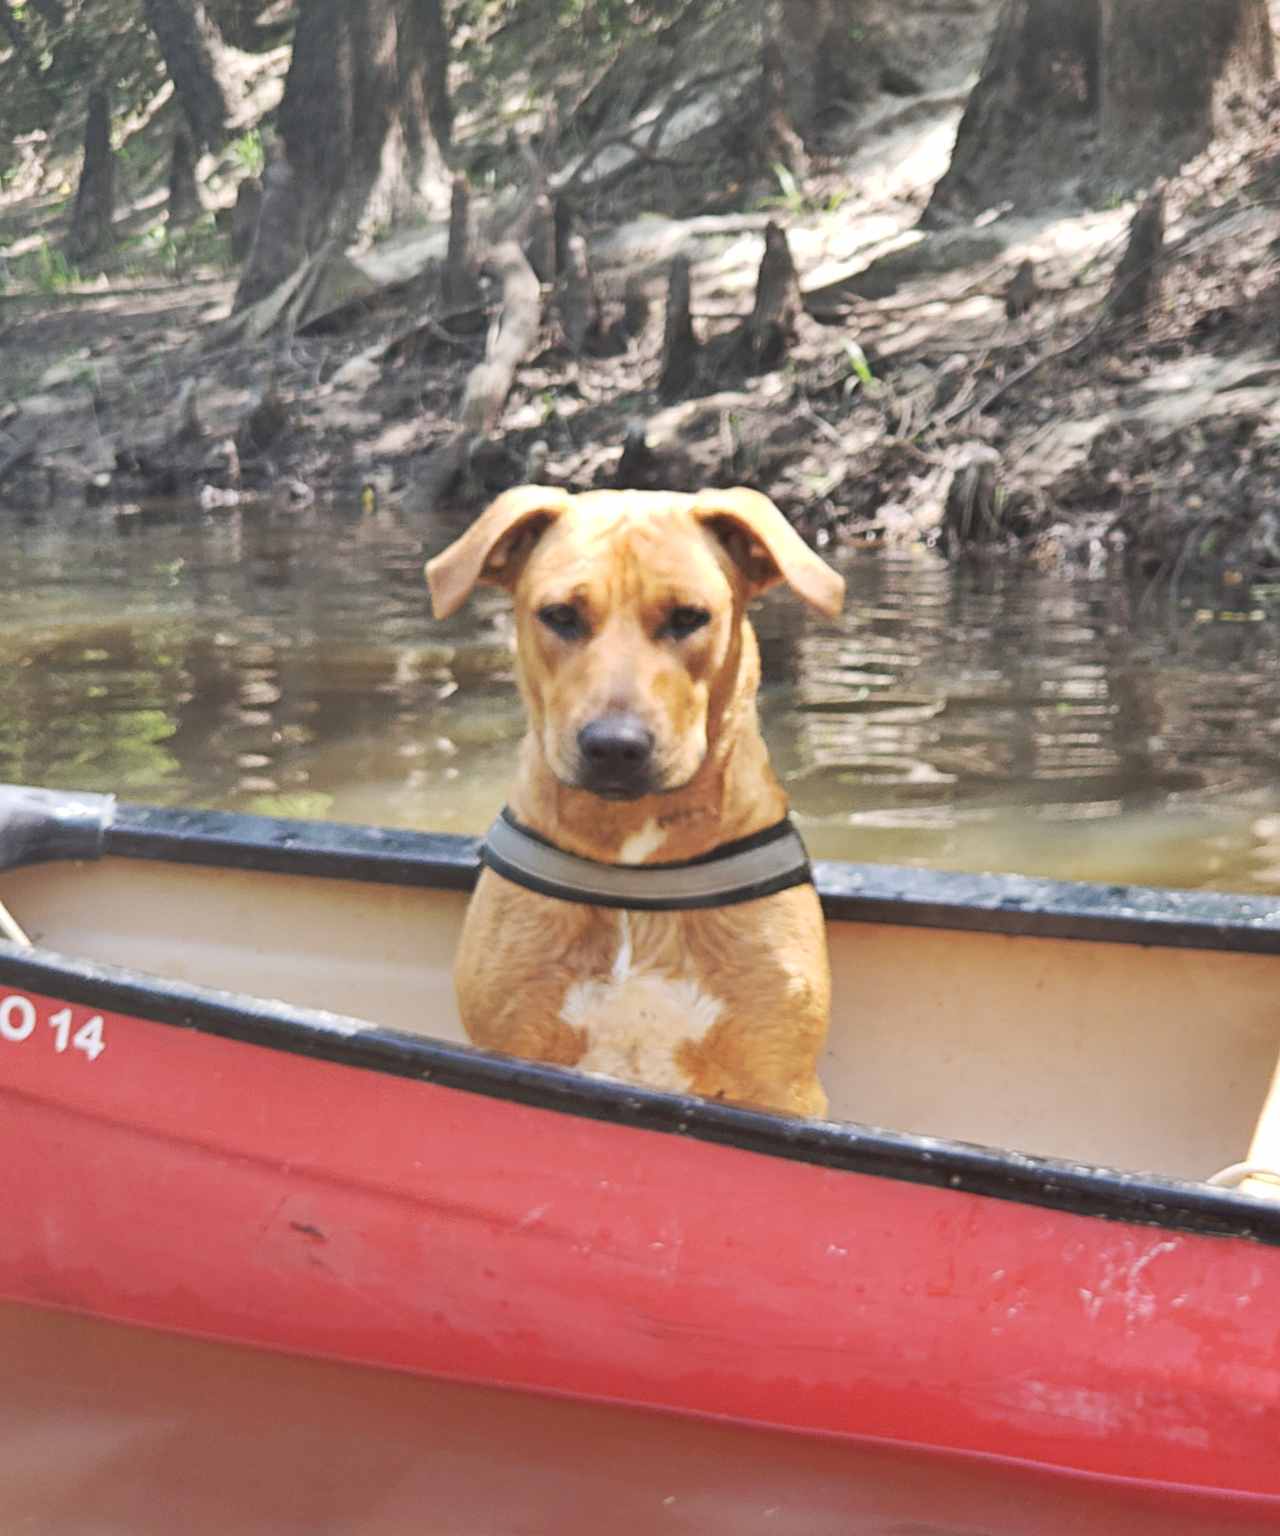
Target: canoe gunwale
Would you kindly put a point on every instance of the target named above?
(1052, 1184)
(1016, 905)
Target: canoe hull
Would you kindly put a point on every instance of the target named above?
(296, 1187)
(224, 1189)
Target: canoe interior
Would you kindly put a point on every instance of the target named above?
(1134, 1057)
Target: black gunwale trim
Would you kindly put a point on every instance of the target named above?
(869, 893)
(994, 1173)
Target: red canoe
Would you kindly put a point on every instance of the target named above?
(336, 1176)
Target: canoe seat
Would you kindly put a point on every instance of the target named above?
(1262, 1180)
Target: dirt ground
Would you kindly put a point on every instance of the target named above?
(911, 406)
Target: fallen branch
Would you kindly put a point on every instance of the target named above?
(647, 154)
(512, 334)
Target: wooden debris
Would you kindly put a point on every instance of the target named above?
(91, 219)
(576, 301)
(635, 307)
(189, 429)
(512, 334)
(679, 344)
(639, 468)
(1022, 292)
(971, 508)
(540, 242)
(264, 424)
(460, 285)
(244, 216)
(1137, 277)
(771, 328)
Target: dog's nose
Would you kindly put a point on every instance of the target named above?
(617, 751)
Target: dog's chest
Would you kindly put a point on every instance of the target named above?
(639, 1020)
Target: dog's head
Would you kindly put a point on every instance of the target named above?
(630, 618)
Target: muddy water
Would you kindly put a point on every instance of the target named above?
(1003, 720)
(110, 1431)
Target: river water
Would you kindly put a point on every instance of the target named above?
(1000, 719)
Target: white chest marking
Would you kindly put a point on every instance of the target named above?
(641, 844)
(636, 1020)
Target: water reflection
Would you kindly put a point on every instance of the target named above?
(995, 720)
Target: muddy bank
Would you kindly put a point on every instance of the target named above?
(968, 387)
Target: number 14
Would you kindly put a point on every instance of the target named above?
(88, 1038)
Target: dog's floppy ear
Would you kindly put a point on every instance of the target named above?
(767, 549)
(491, 549)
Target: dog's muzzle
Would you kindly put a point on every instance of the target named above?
(615, 757)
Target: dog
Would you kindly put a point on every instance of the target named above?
(643, 771)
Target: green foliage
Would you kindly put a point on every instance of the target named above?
(247, 152)
(607, 20)
(793, 199)
(175, 251)
(860, 374)
(46, 269)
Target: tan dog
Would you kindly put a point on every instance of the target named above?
(639, 672)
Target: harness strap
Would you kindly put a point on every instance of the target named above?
(760, 865)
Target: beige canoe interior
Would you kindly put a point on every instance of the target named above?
(1133, 1057)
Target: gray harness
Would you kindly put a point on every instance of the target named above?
(760, 865)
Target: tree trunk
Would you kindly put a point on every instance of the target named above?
(805, 28)
(576, 302)
(1106, 93)
(21, 45)
(1137, 275)
(460, 286)
(778, 142)
(1037, 95)
(1168, 66)
(52, 12)
(423, 55)
(244, 217)
(679, 344)
(277, 245)
(195, 58)
(771, 328)
(184, 195)
(237, 20)
(358, 123)
(94, 208)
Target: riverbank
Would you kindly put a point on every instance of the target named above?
(911, 406)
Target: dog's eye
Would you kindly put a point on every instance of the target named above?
(683, 622)
(563, 619)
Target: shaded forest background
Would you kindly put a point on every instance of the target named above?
(988, 277)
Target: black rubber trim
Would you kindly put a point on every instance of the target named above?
(868, 893)
(274, 845)
(37, 825)
(990, 1172)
